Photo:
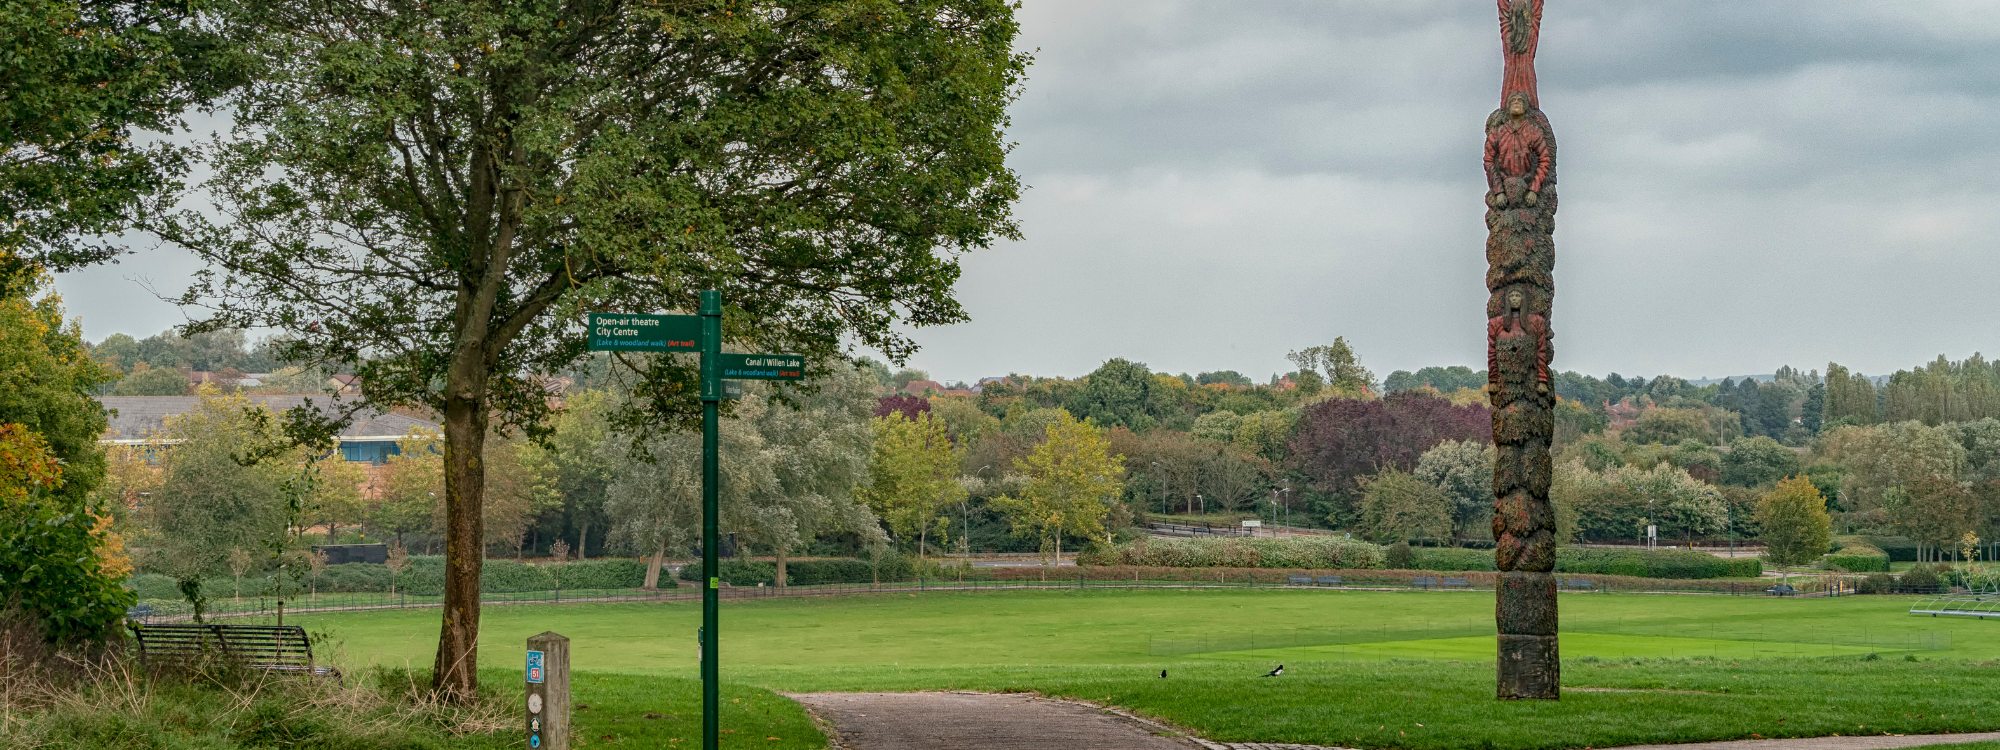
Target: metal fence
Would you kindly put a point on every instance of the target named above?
(1063, 578)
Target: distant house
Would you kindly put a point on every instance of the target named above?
(371, 438)
(923, 387)
(344, 385)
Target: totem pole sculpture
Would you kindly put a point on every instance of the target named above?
(1521, 259)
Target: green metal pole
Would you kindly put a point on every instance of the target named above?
(711, 392)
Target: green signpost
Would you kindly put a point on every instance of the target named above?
(703, 333)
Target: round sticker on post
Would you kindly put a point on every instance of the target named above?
(534, 740)
(534, 703)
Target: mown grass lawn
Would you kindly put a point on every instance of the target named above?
(1403, 673)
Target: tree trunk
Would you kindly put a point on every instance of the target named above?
(582, 540)
(780, 580)
(653, 567)
(455, 672)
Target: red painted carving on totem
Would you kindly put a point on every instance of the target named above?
(1519, 333)
(1520, 32)
(1517, 149)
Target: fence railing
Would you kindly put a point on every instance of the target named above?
(1065, 578)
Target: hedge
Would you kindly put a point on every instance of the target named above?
(807, 572)
(1661, 563)
(1294, 552)
(1450, 558)
(1898, 548)
(1858, 556)
(425, 577)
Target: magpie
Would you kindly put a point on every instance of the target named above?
(1163, 674)
(1275, 672)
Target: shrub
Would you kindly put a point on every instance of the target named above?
(1876, 583)
(1680, 564)
(1315, 552)
(1920, 579)
(1397, 556)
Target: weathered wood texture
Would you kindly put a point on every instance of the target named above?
(1520, 161)
(548, 700)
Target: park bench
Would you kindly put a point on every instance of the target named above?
(1298, 580)
(1578, 583)
(1457, 582)
(1781, 590)
(270, 648)
(1424, 581)
(1329, 580)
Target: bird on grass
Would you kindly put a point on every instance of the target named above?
(1275, 672)
(1163, 674)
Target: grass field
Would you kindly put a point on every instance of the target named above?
(1371, 669)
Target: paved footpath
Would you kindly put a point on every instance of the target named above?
(965, 720)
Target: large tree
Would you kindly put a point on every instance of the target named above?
(1795, 527)
(434, 193)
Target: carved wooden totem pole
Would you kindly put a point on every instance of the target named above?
(1521, 259)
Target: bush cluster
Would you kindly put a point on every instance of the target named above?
(1875, 583)
(1662, 563)
(1920, 578)
(1316, 552)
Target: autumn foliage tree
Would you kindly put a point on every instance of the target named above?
(1339, 441)
(1074, 482)
(53, 568)
(913, 476)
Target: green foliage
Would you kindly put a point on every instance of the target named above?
(1664, 563)
(1795, 527)
(424, 578)
(53, 559)
(208, 502)
(1875, 583)
(147, 380)
(1449, 558)
(1574, 420)
(1344, 373)
(1463, 471)
(1757, 461)
(1115, 395)
(1319, 552)
(1397, 556)
(1859, 560)
(1669, 427)
(1074, 483)
(810, 572)
(1920, 578)
(913, 476)
(1396, 506)
(1442, 379)
(80, 79)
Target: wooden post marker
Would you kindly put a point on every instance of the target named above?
(548, 692)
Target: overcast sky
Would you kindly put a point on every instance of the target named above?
(1212, 184)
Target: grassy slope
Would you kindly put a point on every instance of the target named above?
(1093, 645)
